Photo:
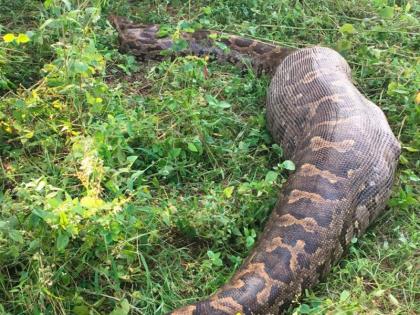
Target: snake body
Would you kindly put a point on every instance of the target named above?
(345, 155)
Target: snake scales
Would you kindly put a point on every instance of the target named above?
(345, 156)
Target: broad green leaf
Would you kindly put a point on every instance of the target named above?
(48, 3)
(223, 105)
(80, 67)
(4, 225)
(179, 45)
(304, 309)
(214, 102)
(347, 29)
(213, 36)
(288, 165)
(62, 241)
(16, 236)
(131, 159)
(249, 241)
(166, 170)
(53, 23)
(344, 296)
(271, 177)
(392, 86)
(164, 30)
(344, 44)
(192, 147)
(210, 254)
(207, 10)
(215, 258)
(122, 309)
(81, 310)
(112, 186)
(244, 188)
(222, 46)
(185, 26)
(90, 99)
(386, 12)
(175, 152)
(411, 149)
(278, 149)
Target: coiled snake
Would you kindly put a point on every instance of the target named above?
(345, 156)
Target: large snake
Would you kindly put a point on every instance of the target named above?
(345, 155)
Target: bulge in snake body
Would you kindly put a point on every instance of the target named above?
(345, 156)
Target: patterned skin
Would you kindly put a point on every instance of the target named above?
(345, 156)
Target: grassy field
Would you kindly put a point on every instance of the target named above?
(133, 187)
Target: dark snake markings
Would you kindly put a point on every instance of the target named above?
(345, 156)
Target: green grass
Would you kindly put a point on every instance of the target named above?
(140, 187)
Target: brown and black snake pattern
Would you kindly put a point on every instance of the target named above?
(345, 156)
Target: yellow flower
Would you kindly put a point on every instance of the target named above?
(9, 38)
(57, 104)
(228, 191)
(22, 39)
